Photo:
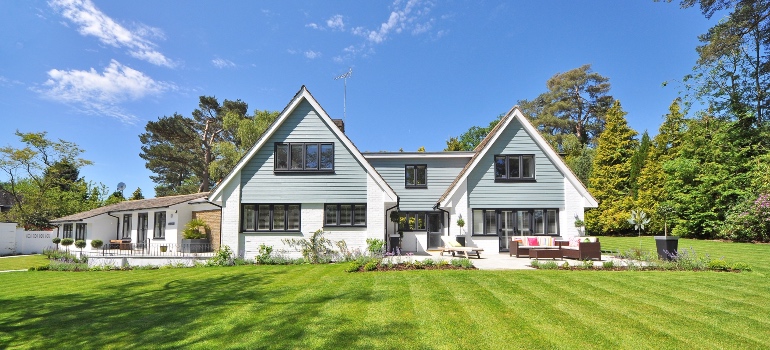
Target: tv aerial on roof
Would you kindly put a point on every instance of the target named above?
(345, 77)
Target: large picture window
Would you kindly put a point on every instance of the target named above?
(303, 156)
(126, 226)
(270, 217)
(412, 221)
(514, 167)
(80, 232)
(519, 222)
(67, 231)
(416, 176)
(345, 215)
(159, 227)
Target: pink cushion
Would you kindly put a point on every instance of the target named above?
(532, 242)
(574, 242)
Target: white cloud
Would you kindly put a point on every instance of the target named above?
(92, 22)
(7, 82)
(312, 54)
(101, 93)
(403, 18)
(314, 26)
(335, 23)
(222, 63)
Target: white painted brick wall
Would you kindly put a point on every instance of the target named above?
(573, 205)
(231, 206)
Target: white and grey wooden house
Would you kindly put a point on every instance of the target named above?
(304, 174)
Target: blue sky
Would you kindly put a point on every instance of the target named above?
(95, 72)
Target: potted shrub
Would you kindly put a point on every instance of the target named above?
(194, 236)
(97, 243)
(67, 242)
(80, 244)
(56, 240)
(163, 248)
(461, 237)
(580, 225)
(667, 246)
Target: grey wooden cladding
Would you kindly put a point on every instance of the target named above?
(547, 191)
(261, 185)
(440, 174)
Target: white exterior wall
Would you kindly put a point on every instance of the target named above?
(414, 242)
(7, 238)
(574, 204)
(459, 207)
(231, 201)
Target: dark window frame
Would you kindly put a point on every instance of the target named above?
(352, 214)
(305, 168)
(521, 178)
(126, 234)
(159, 231)
(67, 231)
(414, 177)
(80, 231)
(413, 228)
(270, 218)
(531, 211)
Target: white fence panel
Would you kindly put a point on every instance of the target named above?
(33, 242)
(7, 238)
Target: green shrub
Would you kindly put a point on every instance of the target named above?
(370, 266)
(428, 262)
(718, 265)
(442, 263)
(741, 266)
(375, 247)
(80, 244)
(316, 249)
(587, 264)
(456, 262)
(264, 254)
(536, 263)
(56, 240)
(549, 265)
(223, 257)
(97, 243)
(353, 266)
(466, 263)
(67, 242)
(609, 264)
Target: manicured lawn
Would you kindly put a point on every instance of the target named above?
(324, 307)
(22, 262)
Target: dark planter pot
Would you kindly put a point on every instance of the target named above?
(461, 240)
(394, 242)
(668, 247)
(195, 245)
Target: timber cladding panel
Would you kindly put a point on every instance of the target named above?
(214, 219)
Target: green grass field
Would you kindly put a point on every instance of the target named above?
(324, 307)
(22, 262)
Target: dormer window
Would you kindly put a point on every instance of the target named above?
(304, 157)
(416, 176)
(514, 167)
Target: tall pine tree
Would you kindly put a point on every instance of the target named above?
(609, 182)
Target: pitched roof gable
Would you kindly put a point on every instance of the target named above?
(489, 140)
(160, 202)
(302, 94)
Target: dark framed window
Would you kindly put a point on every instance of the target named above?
(514, 167)
(67, 231)
(80, 231)
(126, 225)
(345, 215)
(304, 156)
(159, 225)
(519, 222)
(416, 176)
(270, 217)
(412, 221)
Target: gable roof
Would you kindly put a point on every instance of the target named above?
(160, 202)
(303, 94)
(489, 140)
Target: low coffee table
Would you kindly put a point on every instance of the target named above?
(545, 253)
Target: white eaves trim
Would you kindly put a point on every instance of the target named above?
(542, 143)
(303, 94)
(399, 155)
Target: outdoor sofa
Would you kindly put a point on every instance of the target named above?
(582, 248)
(520, 245)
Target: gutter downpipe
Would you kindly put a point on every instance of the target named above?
(387, 218)
(117, 225)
